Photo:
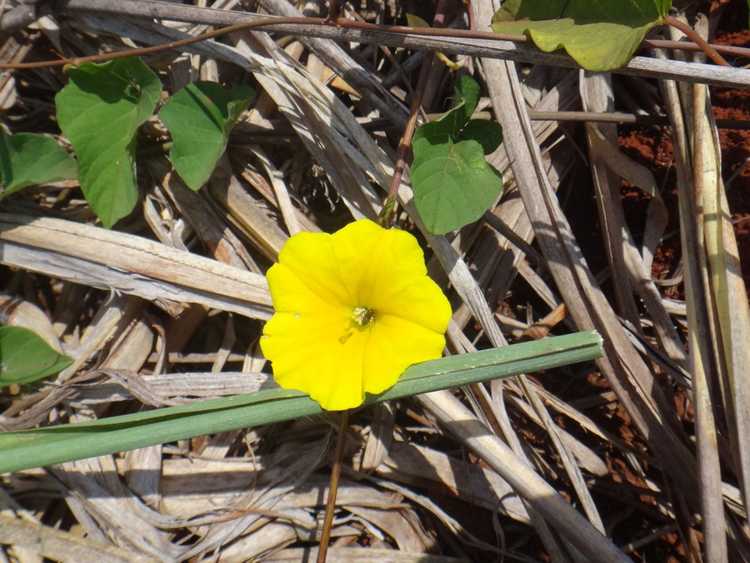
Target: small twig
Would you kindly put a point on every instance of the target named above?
(690, 46)
(398, 67)
(341, 24)
(266, 22)
(632, 546)
(76, 61)
(325, 535)
(588, 116)
(736, 173)
(599, 117)
(404, 146)
(690, 33)
(470, 15)
(334, 9)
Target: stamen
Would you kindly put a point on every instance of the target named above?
(362, 316)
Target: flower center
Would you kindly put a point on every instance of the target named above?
(362, 316)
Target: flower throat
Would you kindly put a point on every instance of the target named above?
(362, 316)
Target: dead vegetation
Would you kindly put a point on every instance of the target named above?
(649, 445)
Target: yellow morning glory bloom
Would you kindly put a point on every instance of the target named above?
(353, 310)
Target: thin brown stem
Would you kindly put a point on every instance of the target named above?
(693, 35)
(347, 24)
(141, 51)
(690, 46)
(470, 15)
(404, 145)
(334, 9)
(265, 22)
(325, 535)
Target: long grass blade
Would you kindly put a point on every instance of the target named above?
(46, 446)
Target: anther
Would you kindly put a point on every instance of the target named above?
(362, 316)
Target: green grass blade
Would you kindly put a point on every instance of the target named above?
(46, 446)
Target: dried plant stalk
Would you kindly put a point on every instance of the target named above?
(130, 264)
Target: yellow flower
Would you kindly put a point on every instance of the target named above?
(352, 311)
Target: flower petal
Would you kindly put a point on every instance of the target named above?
(290, 294)
(321, 355)
(310, 257)
(387, 268)
(339, 382)
(313, 341)
(357, 247)
(373, 259)
(394, 345)
(286, 339)
(421, 302)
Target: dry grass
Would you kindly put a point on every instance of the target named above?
(649, 444)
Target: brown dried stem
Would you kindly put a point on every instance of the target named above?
(325, 536)
(404, 146)
(126, 8)
(704, 45)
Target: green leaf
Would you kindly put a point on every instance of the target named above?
(453, 184)
(524, 9)
(27, 159)
(46, 446)
(454, 127)
(100, 111)
(450, 125)
(466, 99)
(599, 35)
(25, 357)
(200, 118)
(432, 133)
(487, 133)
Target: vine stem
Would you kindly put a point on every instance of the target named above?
(333, 487)
(259, 23)
(348, 24)
(404, 146)
(334, 9)
(695, 37)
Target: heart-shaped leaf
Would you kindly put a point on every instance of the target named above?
(453, 184)
(466, 100)
(200, 118)
(100, 111)
(599, 35)
(434, 133)
(487, 133)
(28, 159)
(25, 357)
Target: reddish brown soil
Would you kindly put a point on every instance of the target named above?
(652, 146)
(735, 145)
